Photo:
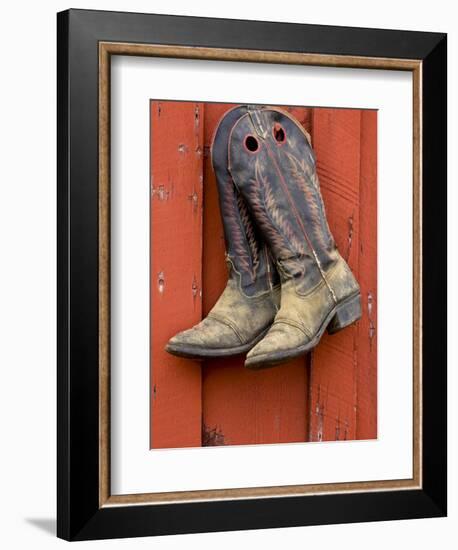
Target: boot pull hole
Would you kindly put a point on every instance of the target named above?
(279, 133)
(251, 143)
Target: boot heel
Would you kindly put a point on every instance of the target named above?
(346, 314)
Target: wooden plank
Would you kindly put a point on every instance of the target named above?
(333, 381)
(176, 272)
(367, 337)
(241, 406)
(304, 116)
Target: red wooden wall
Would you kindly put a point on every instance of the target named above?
(176, 269)
(329, 394)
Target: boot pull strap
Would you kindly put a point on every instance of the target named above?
(255, 118)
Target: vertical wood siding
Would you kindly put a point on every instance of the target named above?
(176, 269)
(328, 395)
(366, 402)
(343, 367)
(336, 141)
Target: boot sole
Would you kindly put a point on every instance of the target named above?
(192, 352)
(343, 315)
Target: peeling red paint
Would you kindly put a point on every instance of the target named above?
(196, 117)
(350, 236)
(371, 322)
(320, 414)
(212, 437)
(160, 192)
(194, 198)
(160, 282)
(176, 250)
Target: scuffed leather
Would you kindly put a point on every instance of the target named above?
(301, 316)
(278, 180)
(235, 319)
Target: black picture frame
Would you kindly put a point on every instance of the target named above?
(79, 515)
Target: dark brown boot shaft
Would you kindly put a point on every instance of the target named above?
(246, 249)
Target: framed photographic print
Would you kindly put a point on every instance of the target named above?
(252, 274)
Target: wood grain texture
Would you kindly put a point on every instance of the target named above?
(366, 399)
(333, 388)
(242, 406)
(328, 395)
(176, 269)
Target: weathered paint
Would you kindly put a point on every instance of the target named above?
(367, 330)
(176, 270)
(329, 394)
(336, 140)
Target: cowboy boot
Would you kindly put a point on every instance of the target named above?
(250, 300)
(273, 166)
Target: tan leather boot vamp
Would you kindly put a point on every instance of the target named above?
(302, 319)
(233, 326)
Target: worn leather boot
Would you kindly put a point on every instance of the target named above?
(248, 304)
(273, 166)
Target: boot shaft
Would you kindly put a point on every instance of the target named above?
(273, 166)
(248, 255)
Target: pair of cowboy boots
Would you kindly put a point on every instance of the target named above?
(287, 281)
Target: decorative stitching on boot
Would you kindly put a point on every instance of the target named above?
(298, 219)
(237, 235)
(249, 232)
(300, 171)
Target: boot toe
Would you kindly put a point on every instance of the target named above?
(207, 335)
(280, 344)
